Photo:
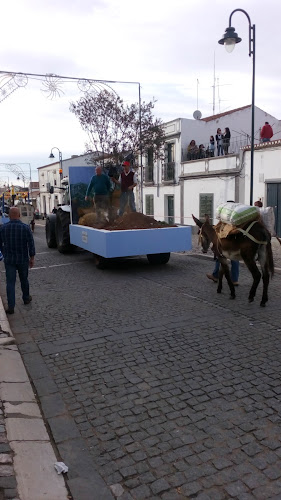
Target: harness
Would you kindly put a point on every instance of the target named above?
(246, 233)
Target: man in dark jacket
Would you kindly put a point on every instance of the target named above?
(17, 246)
(127, 180)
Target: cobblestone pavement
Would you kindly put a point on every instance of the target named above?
(153, 385)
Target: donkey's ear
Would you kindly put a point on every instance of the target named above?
(197, 221)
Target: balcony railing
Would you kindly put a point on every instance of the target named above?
(168, 172)
(148, 174)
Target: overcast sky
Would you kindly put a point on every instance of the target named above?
(167, 46)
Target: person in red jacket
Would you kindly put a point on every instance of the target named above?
(266, 132)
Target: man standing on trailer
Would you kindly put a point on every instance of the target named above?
(100, 185)
(127, 180)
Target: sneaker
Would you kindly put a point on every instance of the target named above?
(10, 311)
(27, 301)
(212, 277)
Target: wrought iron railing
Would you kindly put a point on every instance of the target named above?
(168, 172)
(148, 173)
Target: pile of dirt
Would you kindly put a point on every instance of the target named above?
(132, 220)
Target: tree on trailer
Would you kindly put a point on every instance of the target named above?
(114, 127)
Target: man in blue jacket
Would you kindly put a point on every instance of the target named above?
(100, 185)
(17, 246)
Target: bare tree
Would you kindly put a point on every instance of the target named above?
(114, 128)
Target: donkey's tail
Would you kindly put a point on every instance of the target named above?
(270, 258)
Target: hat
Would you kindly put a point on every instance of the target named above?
(125, 164)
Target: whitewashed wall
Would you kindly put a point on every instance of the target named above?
(267, 168)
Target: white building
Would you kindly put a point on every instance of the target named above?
(176, 188)
(49, 176)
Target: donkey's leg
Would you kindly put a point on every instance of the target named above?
(219, 289)
(262, 257)
(253, 268)
(225, 271)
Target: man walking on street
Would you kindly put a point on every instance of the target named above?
(100, 185)
(127, 180)
(17, 246)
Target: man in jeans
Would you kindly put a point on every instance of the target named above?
(127, 180)
(17, 246)
(100, 185)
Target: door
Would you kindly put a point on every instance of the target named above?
(171, 212)
(274, 200)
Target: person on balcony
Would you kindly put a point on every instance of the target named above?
(192, 150)
(211, 147)
(202, 152)
(226, 140)
(219, 139)
(266, 132)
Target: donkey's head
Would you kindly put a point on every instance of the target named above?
(204, 237)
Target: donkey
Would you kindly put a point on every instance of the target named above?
(250, 243)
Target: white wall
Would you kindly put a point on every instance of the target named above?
(267, 167)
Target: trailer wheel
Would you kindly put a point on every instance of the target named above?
(157, 259)
(100, 262)
(50, 230)
(62, 231)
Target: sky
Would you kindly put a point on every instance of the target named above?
(171, 48)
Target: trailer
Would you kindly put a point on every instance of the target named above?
(64, 232)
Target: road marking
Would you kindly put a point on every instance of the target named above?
(69, 263)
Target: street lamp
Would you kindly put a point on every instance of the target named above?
(60, 159)
(230, 38)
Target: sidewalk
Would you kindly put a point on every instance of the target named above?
(26, 454)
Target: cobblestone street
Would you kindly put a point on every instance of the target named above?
(152, 384)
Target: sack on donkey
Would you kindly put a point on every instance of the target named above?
(236, 213)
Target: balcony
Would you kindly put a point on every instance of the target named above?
(168, 172)
(148, 174)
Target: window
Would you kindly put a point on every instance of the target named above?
(170, 152)
(206, 204)
(170, 209)
(149, 204)
(150, 157)
(55, 182)
(148, 177)
(168, 174)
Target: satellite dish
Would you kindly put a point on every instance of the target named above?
(197, 114)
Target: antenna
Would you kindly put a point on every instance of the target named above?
(214, 86)
(197, 91)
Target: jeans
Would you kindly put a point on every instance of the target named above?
(220, 150)
(102, 206)
(125, 197)
(234, 273)
(11, 274)
(265, 140)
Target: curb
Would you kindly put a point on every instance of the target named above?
(34, 456)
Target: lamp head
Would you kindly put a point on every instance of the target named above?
(51, 155)
(230, 38)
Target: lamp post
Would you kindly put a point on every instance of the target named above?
(60, 159)
(230, 38)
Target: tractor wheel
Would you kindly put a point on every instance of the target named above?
(157, 259)
(50, 230)
(62, 231)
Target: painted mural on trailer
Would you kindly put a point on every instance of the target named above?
(79, 179)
